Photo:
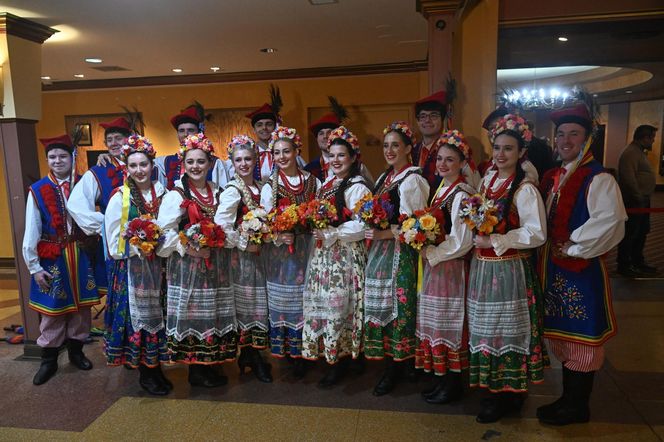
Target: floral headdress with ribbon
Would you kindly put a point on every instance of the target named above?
(455, 138)
(195, 141)
(241, 141)
(138, 143)
(285, 133)
(514, 123)
(343, 133)
(400, 126)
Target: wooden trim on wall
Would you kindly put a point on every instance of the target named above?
(571, 19)
(27, 29)
(332, 71)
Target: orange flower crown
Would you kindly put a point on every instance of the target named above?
(514, 123)
(285, 133)
(400, 126)
(456, 139)
(343, 133)
(240, 141)
(137, 143)
(197, 141)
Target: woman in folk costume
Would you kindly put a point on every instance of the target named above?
(390, 293)
(334, 287)
(63, 286)
(286, 259)
(504, 299)
(200, 322)
(241, 197)
(443, 346)
(135, 334)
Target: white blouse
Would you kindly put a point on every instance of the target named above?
(112, 220)
(266, 191)
(460, 239)
(222, 171)
(170, 214)
(33, 231)
(352, 230)
(531, 232)
(226, 214)
(413, 191)
(82, 204)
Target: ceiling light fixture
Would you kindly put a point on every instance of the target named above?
(322, 2)
(45, 77)
(268, 50)
(215, 68)
(628, 92)
(93, 60)
(540, 98)
(176, 70)
(79, 75)
(562, 38)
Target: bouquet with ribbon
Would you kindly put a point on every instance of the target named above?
(481, 214)
(284, 219)
(204, 233)
(144, 233)
(374, 212)
(317, 214)
(254, 226)
(424, 227)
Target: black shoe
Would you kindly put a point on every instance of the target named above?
(76, 356)
(205, 376)
(451, 391)
(149, 381)
(334, 374)
(251, 357)
(498, 405)
(410, 372)
(630, 271)
(390, 378)
(646, 269)
(299, 368)
(573, 407)
(162, 377)
(435, 388)
(549, 411)
(48, 367)
(358, 366)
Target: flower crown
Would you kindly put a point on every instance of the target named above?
(283, 132)
(346, 135)
(400, 126)
(198, 141)
(456, 139)
(137, 143)
(238, 141)
(514, 123)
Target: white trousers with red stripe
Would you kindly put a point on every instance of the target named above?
(576, 356)
(55, 329)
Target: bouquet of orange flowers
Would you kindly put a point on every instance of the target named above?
(423, 228)
(480, 213)
(144, 233)
(317, 214)
(284, 219)
(203, 234)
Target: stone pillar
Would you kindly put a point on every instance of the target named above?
(20, 60)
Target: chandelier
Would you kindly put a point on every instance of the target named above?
(532, 99)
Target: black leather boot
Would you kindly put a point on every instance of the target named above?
(498, 405)
(334, 374)
(158, 372)
(574, 407)
(300, 368)
(451, 391)
(550, 410)
(76, 356)
(150, 382)
(251, 357)
(436, 387)
(48, 367)
(205, 376)
(391, 377)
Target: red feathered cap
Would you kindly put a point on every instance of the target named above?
(436, 100)
(578, 114)
(498, 112)
(189, 115)
(327, 121)
(262, 113)
(62, 141)
(118, 123)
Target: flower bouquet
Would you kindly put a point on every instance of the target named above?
(317, 214)
(481, 214)
(144, 233)
(203, 234)
(284, 219)
(374, 212)
(424, 228)
(254, 226)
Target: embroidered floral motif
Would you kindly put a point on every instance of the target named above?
(565, 300)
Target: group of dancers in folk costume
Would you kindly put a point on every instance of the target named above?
(471, 304)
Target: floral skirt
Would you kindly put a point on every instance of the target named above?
(511, 370)
(333, 302)
(122, 344)
(397, 338)
(440, 359)
(253, 337)
(211, 350)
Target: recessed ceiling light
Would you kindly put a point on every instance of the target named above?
(628, 92)
(385, 36)
(176, 70)
(79, 75)
(562, 38)
(45, 77)
(594, 95)
(268, 50)
(322, 2)
(93, 60)
(215, 68)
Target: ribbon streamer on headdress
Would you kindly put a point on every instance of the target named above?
(124, 217)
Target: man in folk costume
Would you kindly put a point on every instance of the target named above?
(430, 113)
(586, 219)
(321, 129)
(190, 122)
(63, 286)
(95, 189)
(264, 121)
